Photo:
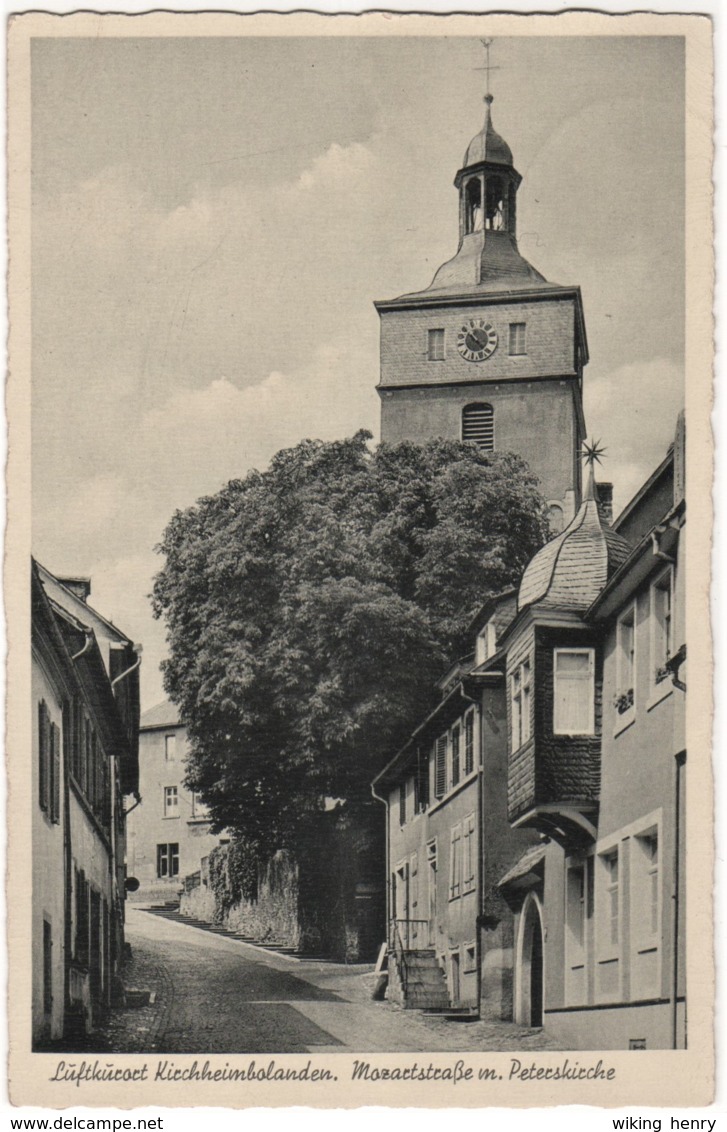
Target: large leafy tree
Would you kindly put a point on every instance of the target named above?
(311, 606)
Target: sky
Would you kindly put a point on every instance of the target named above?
(213, 218)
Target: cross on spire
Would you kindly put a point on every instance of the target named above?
(487, 67)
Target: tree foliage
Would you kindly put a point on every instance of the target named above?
(310, 607)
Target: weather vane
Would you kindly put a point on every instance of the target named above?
(592, 452)
(487, 67)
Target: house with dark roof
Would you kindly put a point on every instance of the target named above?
(85, 689)
(596, 766)
(169, 831)
(449, 840)
(535, 824)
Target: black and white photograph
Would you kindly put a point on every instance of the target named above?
(363, 400)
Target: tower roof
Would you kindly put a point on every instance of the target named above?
(487, 145)
(570, 571)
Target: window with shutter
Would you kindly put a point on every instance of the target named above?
(455, 862)
(478, 426)
(402, 803)
(440, 766)
(469, 742)
(422, 781)
(455, 755)
(468, 855)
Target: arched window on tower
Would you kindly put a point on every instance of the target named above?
(494, 204)
(478, 426)
(473, 206)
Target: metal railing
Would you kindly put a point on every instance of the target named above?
(408, 933)
(403, 936)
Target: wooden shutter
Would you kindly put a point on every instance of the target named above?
(422, 780)
(440, 766)
(55, 773)
(469, 743)
(455, 755)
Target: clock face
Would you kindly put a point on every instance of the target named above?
(476, 340)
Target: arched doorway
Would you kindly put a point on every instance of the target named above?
(530, 965)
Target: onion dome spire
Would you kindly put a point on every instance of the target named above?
(570, 571)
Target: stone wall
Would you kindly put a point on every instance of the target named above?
(321, 899)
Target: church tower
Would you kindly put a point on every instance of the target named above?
(490, 352)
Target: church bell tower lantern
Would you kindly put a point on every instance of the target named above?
(490, 330)
(487, 183)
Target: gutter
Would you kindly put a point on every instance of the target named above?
(87, 644)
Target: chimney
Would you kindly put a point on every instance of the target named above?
(79, 587)
(605, 502)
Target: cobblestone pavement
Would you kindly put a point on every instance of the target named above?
(214, 994)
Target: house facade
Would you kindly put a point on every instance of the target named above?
(169, 830)
(85, 717)
(599, 951)
(449, 840)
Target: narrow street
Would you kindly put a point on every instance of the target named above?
(214, 994)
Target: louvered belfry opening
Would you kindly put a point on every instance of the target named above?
(478, 426)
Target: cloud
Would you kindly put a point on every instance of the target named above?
(633, 411)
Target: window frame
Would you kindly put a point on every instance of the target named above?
(660, 688)
(590, 680)
(455, 861)
(469, 743)
(170, 747)
(489, 444)
(436, 344)
(521, 683)
(455, 745)
(517, 330)
(169, 792)
(167, 853)
(469, 855)
(645, 879)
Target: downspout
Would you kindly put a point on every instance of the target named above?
(387, 854)
(480, 886)
(480, 863)
(680, 761)
(68, 870)
(128, 671)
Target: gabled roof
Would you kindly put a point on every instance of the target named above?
(165, 714)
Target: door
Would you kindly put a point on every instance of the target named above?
(455, 979)
(401, 913)
(530, 966)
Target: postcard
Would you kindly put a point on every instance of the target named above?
(360, 375)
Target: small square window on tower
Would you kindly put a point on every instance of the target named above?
(435, 345)
(517, 338)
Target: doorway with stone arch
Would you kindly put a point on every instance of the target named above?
(529, 1001)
